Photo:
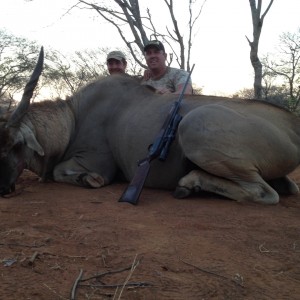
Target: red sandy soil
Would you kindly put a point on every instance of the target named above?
(203, 247)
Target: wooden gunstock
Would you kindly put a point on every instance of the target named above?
(134, 189)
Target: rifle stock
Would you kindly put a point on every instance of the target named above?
(159, 148)
(134, 189)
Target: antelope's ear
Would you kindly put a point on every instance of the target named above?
(30, 139)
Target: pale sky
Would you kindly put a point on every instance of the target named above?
(220, 50)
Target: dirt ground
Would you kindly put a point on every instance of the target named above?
(204, 247)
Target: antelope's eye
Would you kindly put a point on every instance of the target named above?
(17, 147)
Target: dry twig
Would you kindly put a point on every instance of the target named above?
(132, 284)
(22, 245)
(263, 249)
(213, 273)
(135, 263)
(133, 267)
(53, 291)
(32, 258)
(295, 247)
(73, 292)
(106, 273)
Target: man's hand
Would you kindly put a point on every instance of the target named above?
(147, 74)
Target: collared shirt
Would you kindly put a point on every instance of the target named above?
(170, 80)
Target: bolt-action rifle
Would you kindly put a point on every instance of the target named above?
(159, 148)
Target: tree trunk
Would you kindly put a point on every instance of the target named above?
(257, 22)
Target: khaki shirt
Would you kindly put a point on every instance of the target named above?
(170, 80)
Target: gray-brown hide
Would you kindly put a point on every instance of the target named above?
(226, 146)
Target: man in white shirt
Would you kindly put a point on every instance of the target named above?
(163, 78)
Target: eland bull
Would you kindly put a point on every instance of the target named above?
(240, 149)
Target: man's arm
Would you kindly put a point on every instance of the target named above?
(180, 79)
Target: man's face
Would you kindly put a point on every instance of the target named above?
(155, 58)
(116, 66)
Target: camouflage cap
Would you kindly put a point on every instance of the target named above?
(118, 55)
(154, 43)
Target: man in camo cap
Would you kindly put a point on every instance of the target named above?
(163, 78)
(116, 62)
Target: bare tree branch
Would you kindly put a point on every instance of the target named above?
(287, 67)
(257, 23)
(128, 18)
